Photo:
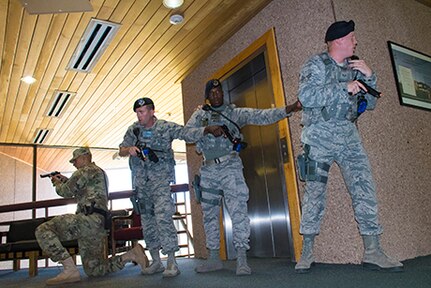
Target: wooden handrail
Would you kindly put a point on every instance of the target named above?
(64, 201)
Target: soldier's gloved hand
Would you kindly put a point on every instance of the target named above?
(217, 131)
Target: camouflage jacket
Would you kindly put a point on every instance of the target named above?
(323, 88)
(87, 184)
(159, 138)
(212, 147)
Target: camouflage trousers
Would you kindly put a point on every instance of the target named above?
(356, 171)
(158, 208)
(89, 232)
(227, 176)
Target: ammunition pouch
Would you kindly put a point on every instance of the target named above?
(199, 189)
(340, 112)
(307, 168)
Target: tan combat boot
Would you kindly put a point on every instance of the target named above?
(156, 265)
(171, 266)
(307, 258)
(70, 274)
(213, 263)
(376, 259)
(137, 254)
(242, 267)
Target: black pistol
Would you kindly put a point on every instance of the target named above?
(371, 91)
(50, 174)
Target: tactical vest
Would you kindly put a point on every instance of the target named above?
(160, 142)
(213, 147)
(340, 111)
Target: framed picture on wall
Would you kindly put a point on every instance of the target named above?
(412, 70)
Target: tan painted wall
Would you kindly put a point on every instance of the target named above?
(16, 187)
(397, 138)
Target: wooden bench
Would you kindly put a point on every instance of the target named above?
(21, 244)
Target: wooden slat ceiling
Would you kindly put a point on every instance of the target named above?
(148, 57)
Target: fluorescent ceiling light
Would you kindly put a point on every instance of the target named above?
(28, 79)
(41, 135)
(173, 4)
(95, 40)
(59, 103)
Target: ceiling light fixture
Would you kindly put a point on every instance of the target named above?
(97, 36)
(173, 4)
(41, 135)
(28, 79)
(176, 19)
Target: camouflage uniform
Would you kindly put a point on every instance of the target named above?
(330, 131)
(88, 185)
(222, 170)
(151, 180)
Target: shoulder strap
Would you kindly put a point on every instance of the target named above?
(325, 59)
(230, 106)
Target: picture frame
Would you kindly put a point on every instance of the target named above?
(412, 70)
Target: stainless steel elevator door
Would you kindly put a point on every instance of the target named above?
(263, 166)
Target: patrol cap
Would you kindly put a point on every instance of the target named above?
(79, 152)
(213, 83)
(339, 29)
(142, 102)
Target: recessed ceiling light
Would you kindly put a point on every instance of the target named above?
(173, 4)
(28, 79)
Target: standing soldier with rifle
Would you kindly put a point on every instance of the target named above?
(88, 185)
(221, 174)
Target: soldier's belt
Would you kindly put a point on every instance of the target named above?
(339, 113)
(89, 210)
(220, 159)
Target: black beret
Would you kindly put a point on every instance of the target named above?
(213, 83)
(339, 29)
(142, 102)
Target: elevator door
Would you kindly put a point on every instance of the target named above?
(263, 166)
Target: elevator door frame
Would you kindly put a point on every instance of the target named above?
(267, 43)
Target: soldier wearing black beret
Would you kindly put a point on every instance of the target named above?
(333, 95)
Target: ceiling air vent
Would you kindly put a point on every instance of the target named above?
(59, 103)
(96, 38)
(41, 135)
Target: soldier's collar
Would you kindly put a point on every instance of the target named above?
(219, 108)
